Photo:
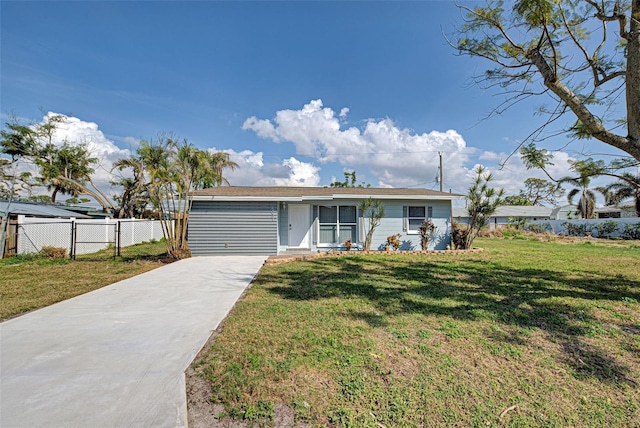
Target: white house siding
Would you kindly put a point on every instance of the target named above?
(393, 223)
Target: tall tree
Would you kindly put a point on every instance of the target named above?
(581, 53)
(483, 201)
(174, 168)
(516, 200)
(135, 190)
(539, 192)
(372, 213)
(350, 180)
(17, 143)
(622, 190)
(587, 198)
(66, 169)
(218, 162)
(62, 169)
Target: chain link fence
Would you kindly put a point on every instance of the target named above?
(84, 239)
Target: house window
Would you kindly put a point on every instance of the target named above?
(337, 224)
(414, 216)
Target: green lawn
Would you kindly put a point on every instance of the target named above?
(32, 282)
(525, 333)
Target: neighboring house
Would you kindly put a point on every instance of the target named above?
(34, 209)
(92, 212)
(607, 212)
(565, 212)
(17, 210)
(619, 211)
(570, 212)
(506, 213)
(276, 220)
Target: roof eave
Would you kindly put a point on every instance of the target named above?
(224, 198)
(400, 197)
(247, 198)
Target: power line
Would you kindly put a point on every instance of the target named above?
(350, 153)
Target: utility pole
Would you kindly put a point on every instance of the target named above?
(440, 154)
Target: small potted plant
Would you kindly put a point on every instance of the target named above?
(393, 241)
(427, 229)
(347, 244)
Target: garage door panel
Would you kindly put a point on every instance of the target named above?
(248, 228)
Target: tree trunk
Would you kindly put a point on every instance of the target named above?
(633, 76)
(368, 239)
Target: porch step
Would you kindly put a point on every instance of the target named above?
(297, 251)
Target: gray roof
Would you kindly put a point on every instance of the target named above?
(300, 193)
(511, 211)
(563, 208)
(37, 210)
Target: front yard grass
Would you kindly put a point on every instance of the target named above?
(525, 333)
(31, 282)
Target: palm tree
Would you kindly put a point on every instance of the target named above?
(628, 187)
(135, 194)
(219, 161)
(67, 171)
(587, 202)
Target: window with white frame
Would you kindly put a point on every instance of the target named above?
(337, 224)
(414, 216)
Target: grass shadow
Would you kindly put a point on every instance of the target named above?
(471, 289)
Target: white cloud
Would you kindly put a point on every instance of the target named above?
(397, 157)
(263, 128)
(77, 131)
(391, 155)
(135, 142)
(512, 174)
(254, 171)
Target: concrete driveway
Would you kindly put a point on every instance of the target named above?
(116, 357)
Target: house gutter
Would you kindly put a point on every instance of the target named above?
(322, 198)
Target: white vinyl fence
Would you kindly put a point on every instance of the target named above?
(82, 236)
(599, 228)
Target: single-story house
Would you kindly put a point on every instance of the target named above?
(90, 211)
(506, 213)
(276, 220)
(620, 211)
(565, 212)
(36, 209)
(17, 210)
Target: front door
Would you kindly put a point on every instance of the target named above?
(299, 226)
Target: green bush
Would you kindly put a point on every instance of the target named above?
(607, 228)
(459, 232)
(539, 227)
(576, 229)
(511, 232)
(518, 223)
(631, 231)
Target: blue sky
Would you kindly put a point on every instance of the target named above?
(297, 92)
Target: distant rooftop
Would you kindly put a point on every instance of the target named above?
(511, 211)
(38, 210)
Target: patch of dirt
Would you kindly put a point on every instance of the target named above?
(203, 413)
